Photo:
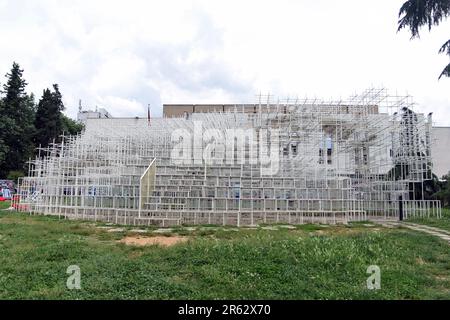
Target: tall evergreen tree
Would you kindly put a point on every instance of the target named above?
(3, 124)
(17, 122)
(415, 14)
(49, 118)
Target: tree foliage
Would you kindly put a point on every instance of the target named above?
(444, 191)
(48, 122)
(24, 126)
(414, 14)
(14, 175)
(3, 147)
(17, 122)
(70, 126)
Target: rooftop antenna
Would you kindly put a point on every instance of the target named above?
(148, 114)
(80, 107)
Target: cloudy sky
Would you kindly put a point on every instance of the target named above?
(122, 55)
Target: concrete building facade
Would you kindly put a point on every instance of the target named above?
(440, 153)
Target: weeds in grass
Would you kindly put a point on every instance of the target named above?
(443, 223)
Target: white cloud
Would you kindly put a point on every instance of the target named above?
(123, 55)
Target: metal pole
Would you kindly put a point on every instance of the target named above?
(400, 207)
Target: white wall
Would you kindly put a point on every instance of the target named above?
(440, 150)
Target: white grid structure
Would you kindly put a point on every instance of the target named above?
(338, 161)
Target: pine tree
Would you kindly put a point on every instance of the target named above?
(49, 117)
(415, 14)
(3, 124)
(17, 123)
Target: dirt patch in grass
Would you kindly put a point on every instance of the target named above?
(442, 277)
(149, 241)
(420, 261)
(339, 230)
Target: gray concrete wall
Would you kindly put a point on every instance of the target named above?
(440, 151)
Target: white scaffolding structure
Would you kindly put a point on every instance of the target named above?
(338, 161)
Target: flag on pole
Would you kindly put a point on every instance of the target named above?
(149, 115)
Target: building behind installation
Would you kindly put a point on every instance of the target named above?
(291, 161)
(441, 151)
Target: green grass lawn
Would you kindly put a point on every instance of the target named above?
(308, 262)
(5, 205)
(443, 223)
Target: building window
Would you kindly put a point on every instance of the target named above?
(329, 145)
(294, 149)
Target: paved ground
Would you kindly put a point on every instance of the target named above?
(112, 228)
(443, 234)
